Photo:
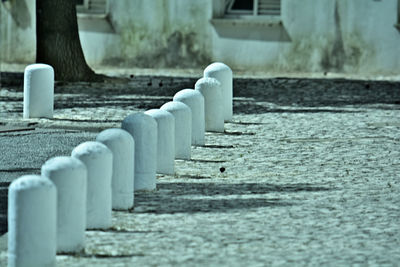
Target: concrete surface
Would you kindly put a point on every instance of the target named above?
(306, 174)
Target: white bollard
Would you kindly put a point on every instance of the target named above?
(195, 101)
(183, 128)
(143, 128)
(32, 222)
(98, 160)
(210, 88)
(69, 175)
(165, 140)
(38, 91)
(223, 74)
(122, 145)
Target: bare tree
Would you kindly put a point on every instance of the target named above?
(58, 42)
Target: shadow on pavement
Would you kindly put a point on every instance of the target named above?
(299, 92)
(215, 197)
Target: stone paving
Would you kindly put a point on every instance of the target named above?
(307, 173)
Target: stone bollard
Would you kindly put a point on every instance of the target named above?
(98, 160)
(165, 140)
(195, 101)
(143, 128)
(69, 175)
(223, 74)
(183, 128)
(210, 88)
(38, 91)
(122, 145)
(32, 222)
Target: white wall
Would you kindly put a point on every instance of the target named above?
(361, 38)
(353, 36)
(18, 32)
(162, 33)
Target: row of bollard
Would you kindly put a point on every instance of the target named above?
(50, 213)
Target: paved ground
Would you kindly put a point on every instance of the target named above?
(306, 174)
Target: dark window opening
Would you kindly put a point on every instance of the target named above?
(237, 8)
(243, 5)
(397, 25)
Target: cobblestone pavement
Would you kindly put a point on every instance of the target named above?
(306, 174)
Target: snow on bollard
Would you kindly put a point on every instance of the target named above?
(195, 101)
(223, 74)
(122, 145)
(69, 175)
(210, 88)
(143, 128)
(32, 222)
(183, 128)
(38, 91)
(165, 140)
(98, 160)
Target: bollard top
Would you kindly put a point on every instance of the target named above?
(90, 148)
(175, 106)
(38, 66)
(28, 182)
(138, 118)
(207, 82)
(61, 163)
(159, 113)
(216, 66)
(187, 94)
(114, 134)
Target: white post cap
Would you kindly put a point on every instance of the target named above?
(195, 101)
(210, 88)
(166, 140)
(183, 128)
(38, 91)
(70, 177)
(223, 74)
(143, 128)
(122, 145)
(32, 222)
(98, 160)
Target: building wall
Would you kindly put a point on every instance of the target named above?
(162, 33)
(346, 36)
(351, 36)
(17, 31)
(356, 36)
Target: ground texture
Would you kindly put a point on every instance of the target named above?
(307, 173)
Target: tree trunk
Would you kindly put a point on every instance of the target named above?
(58, 43)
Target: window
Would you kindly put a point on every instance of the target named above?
(92, 6)
(398, 14)
(240, 8)
(397, 25)
(249, 20)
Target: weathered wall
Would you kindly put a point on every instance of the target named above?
(354, 36)
(17, 31)
(162, 33)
